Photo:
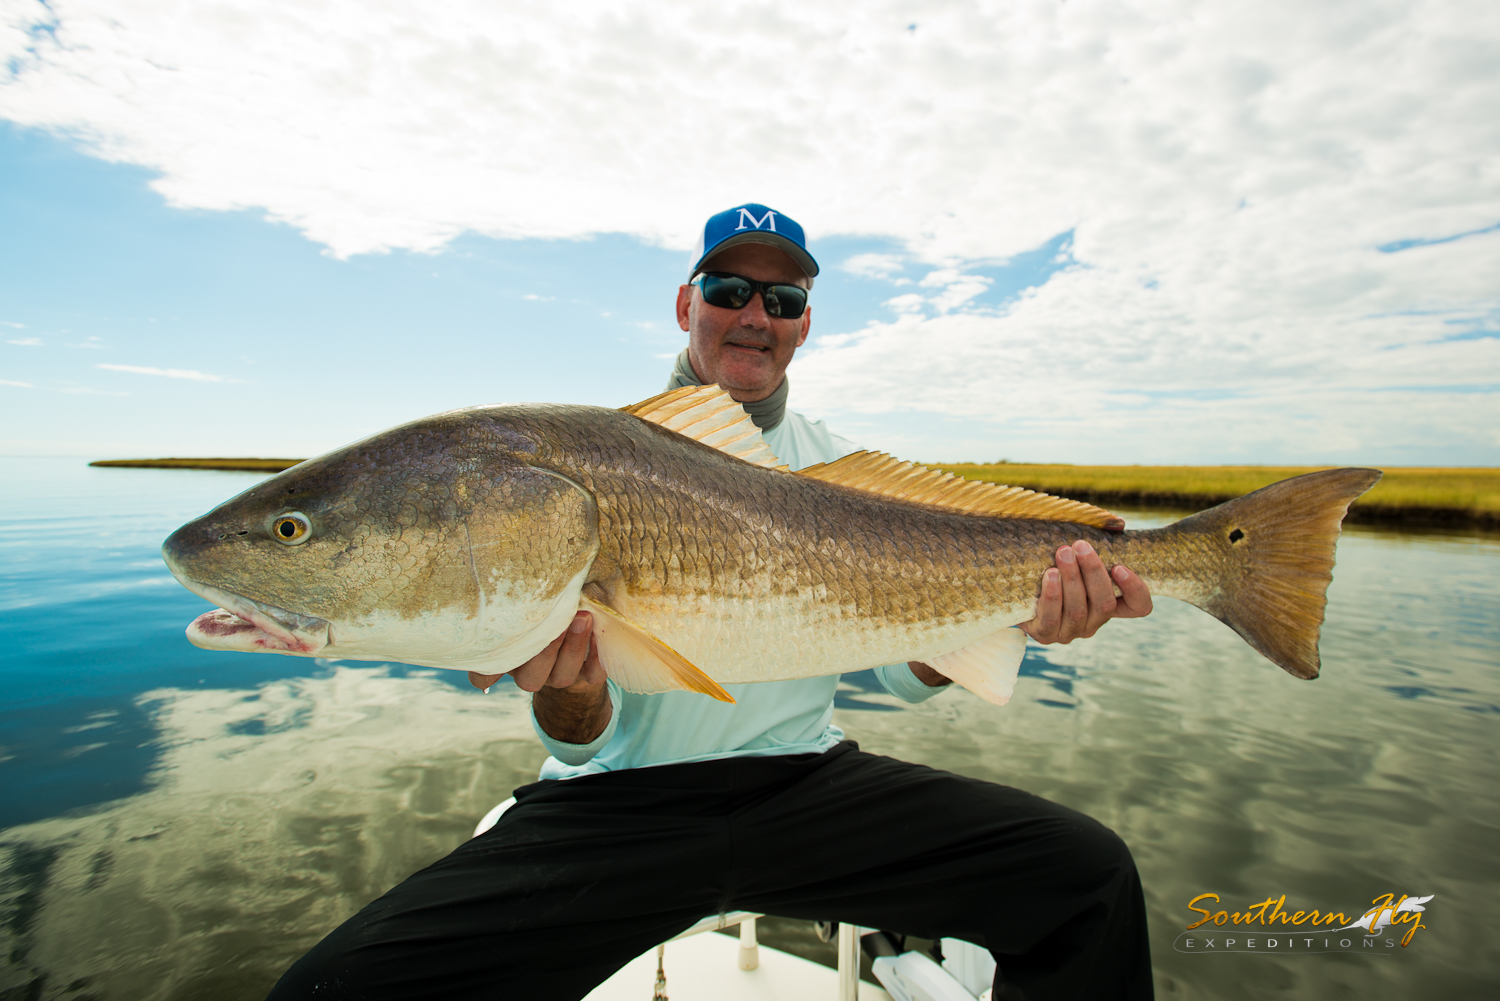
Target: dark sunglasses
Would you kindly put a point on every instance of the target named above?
(732, 292)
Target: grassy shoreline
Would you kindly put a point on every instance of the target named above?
(254, 465)
(1412, 495)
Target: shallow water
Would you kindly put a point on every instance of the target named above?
(179, 823)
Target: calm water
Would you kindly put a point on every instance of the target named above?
(183, 824)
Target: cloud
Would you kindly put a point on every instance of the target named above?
(170, 373)
(1264, 195)
(12, 382)
(241, 776)
(874, 265)
(29, 342)
(911, 302)
(15, 326)
(956, 287)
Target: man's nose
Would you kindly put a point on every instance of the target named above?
(754, 313)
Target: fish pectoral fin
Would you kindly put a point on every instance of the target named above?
(988, 666)
(639, 662)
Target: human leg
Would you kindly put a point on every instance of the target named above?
(882, 843)
(577, 879)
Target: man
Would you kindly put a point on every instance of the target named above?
(657, 810)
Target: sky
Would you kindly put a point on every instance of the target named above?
(1246, 231)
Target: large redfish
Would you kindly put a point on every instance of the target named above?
(468, 540)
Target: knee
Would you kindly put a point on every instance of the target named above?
(1100, 853)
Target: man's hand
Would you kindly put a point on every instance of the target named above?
(1078, 596)
(570, 699)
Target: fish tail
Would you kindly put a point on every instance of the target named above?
(1282, 539)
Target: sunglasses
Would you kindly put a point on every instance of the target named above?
(732, 292)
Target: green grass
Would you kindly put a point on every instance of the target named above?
(1411, 492)
(1406, 493)
(258, 465)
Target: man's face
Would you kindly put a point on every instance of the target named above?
(744, 350)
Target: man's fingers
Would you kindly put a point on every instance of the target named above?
(1075, 599)
(532, 675)
(573, 652)
(1098, 586)
(1043, 625)
(593, 670)
(1135, 596)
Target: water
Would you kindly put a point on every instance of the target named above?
(183, 824)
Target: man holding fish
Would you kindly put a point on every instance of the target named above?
(658, 809)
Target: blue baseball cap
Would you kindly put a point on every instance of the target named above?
(753, 223)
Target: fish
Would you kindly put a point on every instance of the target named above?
(470, 539)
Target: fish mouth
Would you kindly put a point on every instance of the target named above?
(241, 623)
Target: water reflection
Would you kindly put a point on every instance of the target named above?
(273, 814)
(183, 824)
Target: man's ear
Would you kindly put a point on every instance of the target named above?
(684, 303)
(806, 323)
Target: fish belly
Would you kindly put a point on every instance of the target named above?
(785, 637)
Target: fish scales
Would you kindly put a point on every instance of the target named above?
(902, 579)
(468, 540)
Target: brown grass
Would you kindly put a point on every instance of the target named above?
(1414, 493)
(1457, 495)
(256, 465)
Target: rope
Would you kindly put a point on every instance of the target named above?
(660, 994)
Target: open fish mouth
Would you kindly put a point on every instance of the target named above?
(242, 623)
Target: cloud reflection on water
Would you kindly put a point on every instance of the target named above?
(277, 808)
(274, 814)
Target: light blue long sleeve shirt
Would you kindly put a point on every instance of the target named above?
(771, 717)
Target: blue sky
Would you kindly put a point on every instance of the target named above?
(295, 351)
(1168, 231)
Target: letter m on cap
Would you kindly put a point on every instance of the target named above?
(768, 220)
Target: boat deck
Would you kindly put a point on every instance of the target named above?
(706, 968)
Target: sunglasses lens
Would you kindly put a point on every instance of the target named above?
(785, 301)
(726, 292)
(733, 292)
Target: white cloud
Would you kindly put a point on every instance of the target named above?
(1228, 170)
(170, 373)
(874, 265)
(12, 325)
(12, 382)
(911, 302)
(29, 342)
(957, 288)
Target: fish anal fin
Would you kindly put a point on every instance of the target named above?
(887, 476)
(710, 415)
(986, 667)
(639, 662)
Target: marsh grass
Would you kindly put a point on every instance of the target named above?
(1470, 494)
(1465, 493)
(256, 465)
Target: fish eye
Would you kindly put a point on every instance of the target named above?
(292, 528)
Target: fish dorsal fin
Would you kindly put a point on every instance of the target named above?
(639, 662)
(878, 473)
(710, 415)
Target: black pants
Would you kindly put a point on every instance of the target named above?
(581, 876)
